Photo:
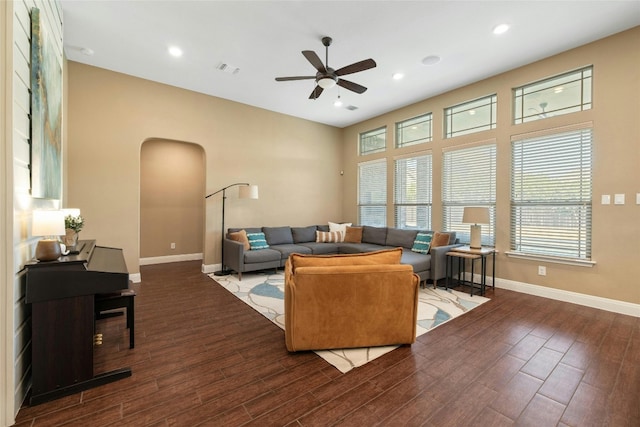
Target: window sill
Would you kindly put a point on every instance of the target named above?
(552, 259)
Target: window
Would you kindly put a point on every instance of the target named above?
(564, 94)
(551, 195)
(372, 193)
(469, 179)
(412, 192)
(414, 131)
(373, 141)
(470, 117)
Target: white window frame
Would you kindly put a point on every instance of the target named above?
(453, 114)
(365, 138)
(551, 185)
(372, 193)
(469, 179)
(565, 93)
(425, 120)
(413, 191)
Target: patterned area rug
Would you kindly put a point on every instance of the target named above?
(265, 293)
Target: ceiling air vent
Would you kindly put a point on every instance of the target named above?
(228, 68)
(351, 107)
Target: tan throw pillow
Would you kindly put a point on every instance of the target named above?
(353, 235)
(387, 256)
(439, 239)
(241, 236)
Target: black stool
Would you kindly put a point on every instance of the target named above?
(123, 299)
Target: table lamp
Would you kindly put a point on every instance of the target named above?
(475, 216)
(50, 224)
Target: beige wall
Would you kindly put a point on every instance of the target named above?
(295, 163)
(615, 116)
(172, 180)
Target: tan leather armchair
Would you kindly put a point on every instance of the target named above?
(346, 301)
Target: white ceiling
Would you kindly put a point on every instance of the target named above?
(264, 39)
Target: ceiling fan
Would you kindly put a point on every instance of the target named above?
(327, 77)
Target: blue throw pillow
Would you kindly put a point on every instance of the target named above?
(422, 243)
(257, 241)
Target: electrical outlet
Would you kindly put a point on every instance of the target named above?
(173, 245)
(542, 270)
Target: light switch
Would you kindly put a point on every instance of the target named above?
(618, 199)
(606, 199)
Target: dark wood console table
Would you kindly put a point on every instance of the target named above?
(61, 294)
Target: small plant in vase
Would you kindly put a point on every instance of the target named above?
(73, 225)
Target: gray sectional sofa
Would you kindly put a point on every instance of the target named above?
(283, 241)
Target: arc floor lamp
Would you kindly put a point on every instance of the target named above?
(246, 191)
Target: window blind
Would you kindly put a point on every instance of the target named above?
(372, 193)
(469, 179)
(551, 195)
(412, 192)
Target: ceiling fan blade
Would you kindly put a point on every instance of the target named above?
(355, 87)
(356, 67)
(286, 79)
(314, 59)
(316, 93)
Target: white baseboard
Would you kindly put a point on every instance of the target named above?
(135, 277)
(210, 268)
(170, 258)
(601, 303)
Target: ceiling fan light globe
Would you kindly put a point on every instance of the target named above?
(326, 82)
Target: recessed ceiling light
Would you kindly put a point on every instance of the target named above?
(398, 76)
(86, 51)
(175, 51)
(337, 102)
(501, 29)
(430, 60)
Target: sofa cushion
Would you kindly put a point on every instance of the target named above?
(376, 235)
(328, 236)
(389, 256)
(422, 244)
(360, 248)
(263, 255)
(323, 227)
(419, 262)
(287, 250)
(353, 235)
(322, 248)
(304, 234)
(241, 236)
(400, 237)
(278, 235)
(257, 241)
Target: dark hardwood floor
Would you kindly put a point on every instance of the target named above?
(202, 357)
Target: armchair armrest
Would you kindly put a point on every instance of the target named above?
(439, 261)
(233, 255)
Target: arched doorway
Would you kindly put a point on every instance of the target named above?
(172, 185)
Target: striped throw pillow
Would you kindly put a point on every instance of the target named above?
(328, 236)
(257, 241)
(422, 243)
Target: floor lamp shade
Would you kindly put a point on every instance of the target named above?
(246, 191)
(475, 216)
(50, 224)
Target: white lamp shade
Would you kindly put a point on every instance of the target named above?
(248, 192)
(475, 215)
(47, 223)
